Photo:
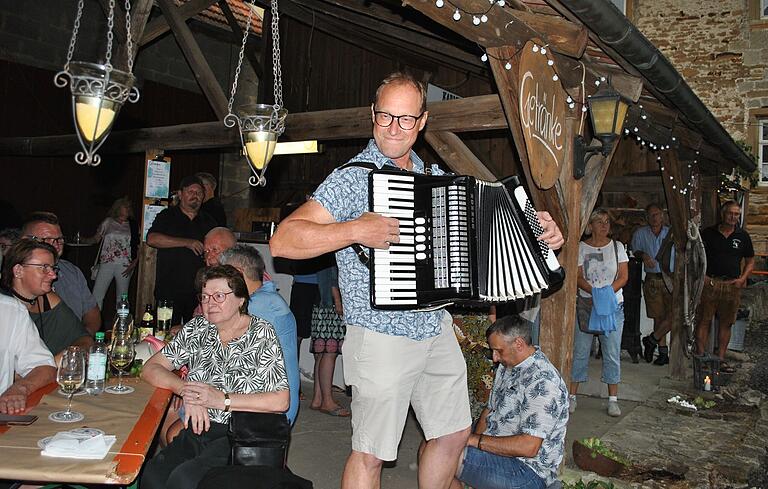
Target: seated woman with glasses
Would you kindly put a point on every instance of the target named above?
(235, 364)
(29, 269)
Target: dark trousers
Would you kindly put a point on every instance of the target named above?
(184, 463)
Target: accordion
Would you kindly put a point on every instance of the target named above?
(461, 240)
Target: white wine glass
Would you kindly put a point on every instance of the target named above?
(121, 358)
(70, 377)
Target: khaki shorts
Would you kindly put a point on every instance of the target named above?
(389, 373)
(658, 300)
(721, 298)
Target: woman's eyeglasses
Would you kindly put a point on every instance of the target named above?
(218, 297)
(46, 268)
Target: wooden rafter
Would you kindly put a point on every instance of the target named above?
(457, 155)
(508, 27)
(194, 55)
(160, 26)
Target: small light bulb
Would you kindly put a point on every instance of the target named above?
(500, 3)
(457, 15)
(571, 105)
(584, 109)
(670, 177)
(555, 77)
(508, 65)
(602, 78)
(642, 143)
(636, 129)
(535, 48)
(639, 138)
(484, 58)
(483, 18)
(550, 62)
(569, 99)
(543, 50)
(626, 131)
(674, 187)
(439, 3)
(597, 83)
(476, 20)
(643, 117)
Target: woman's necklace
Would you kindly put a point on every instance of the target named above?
(30, 302)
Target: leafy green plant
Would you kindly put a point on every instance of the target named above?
(700, 403)
(595, 484)
(597, 446)
(470, 329)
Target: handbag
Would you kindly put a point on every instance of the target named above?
(259, 439)
(584, 304)
(96, 262)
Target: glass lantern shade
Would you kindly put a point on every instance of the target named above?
(98, 93)
(260, 125)
(608, 110)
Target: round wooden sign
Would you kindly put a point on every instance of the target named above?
(542, 116)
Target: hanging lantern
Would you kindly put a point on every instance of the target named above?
(98, 90)
(260, 124)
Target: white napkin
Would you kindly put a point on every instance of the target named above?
(69, 445)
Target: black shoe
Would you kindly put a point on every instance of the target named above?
(633, 356)
(663, 359)
(649, 347)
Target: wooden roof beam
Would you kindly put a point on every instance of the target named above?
(457, 155)
(237, 36)
(469, 114)
(195, 58)
(507, 26)
(160, 26)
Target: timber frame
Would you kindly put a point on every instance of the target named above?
(422, 34)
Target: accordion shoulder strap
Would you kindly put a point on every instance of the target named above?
(360, 164)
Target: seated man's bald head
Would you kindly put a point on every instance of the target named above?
(217, 240)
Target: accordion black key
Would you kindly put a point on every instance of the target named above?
(461, 240)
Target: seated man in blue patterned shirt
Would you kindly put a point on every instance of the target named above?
(519, 439)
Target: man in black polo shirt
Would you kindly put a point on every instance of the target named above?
(726, 245)
(178, 234)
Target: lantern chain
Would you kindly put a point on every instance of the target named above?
(110, 35)
(71, 50)
(128, 40)
(276, 70)
(240, 59)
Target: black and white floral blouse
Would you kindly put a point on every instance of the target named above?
(252, 363)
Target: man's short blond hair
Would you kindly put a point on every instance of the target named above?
(403, 78)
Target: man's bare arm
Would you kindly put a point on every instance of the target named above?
(507, 446)
(92, 320)
(160, 240)
(311, 231)
(14, 399)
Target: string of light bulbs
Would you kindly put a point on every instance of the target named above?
(478, 18)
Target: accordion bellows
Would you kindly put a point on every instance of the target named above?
(461, 240)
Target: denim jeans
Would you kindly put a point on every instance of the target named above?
(611, 347)
(483, 470)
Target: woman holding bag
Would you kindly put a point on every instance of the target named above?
(118, 237)
(603, 271)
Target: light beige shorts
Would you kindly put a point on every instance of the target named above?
(389, 373)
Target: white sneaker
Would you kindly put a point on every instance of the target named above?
(613, 409)
(571, 404)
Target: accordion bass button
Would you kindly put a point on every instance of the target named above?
(420, 229)
(421, 247)
(420, 221)
(421, 256)
(420, 238)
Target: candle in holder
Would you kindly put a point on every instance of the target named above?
(707, 383)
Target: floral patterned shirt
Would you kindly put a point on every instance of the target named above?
(116, 242)
(531, 398)
(250, 364)
(345, 195)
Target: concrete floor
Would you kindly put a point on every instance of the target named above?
(321, 443)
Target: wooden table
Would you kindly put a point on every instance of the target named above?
(132, 418)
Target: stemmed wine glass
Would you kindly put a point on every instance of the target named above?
(70, 377)
(121, 357)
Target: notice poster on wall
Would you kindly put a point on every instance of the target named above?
(150, 212)
(158, 179)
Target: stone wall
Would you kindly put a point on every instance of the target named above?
(721, 53)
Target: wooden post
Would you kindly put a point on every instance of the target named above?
(558, 311)
(145, 285)
(673, 177)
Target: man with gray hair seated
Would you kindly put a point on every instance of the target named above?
(266, 303)
(519, 438)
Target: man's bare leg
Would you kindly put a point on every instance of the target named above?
(723, 338)
(362, 471)
(439, 459)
